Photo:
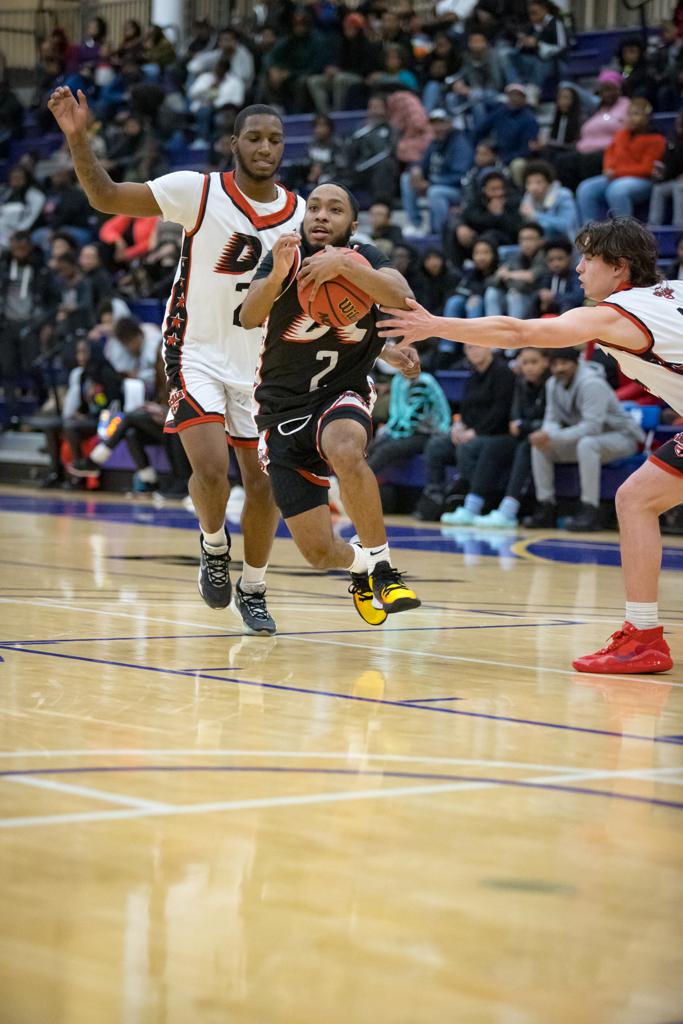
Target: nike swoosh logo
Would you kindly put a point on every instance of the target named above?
(377, 551)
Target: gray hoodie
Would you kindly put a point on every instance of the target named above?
(587, 407)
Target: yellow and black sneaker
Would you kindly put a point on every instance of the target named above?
(390, 591)
(363, 600)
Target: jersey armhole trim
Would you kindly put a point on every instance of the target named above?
(272, 220)
(637, 323)
(202, 207)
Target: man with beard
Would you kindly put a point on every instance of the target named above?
(637, 319)
(314, 398)
(229, 221)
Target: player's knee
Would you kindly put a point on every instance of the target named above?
(632, 497)
(210, 475)
(257, 486)
(346, 456)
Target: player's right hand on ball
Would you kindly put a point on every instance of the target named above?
(284, 253)
(71, 113)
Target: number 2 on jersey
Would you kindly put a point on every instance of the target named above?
(333, 358)
(241, 287)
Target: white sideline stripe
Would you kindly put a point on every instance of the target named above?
(282, 801)
(87, 791)
(336, 643)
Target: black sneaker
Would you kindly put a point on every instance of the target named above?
(585, 521)
(214, 578)
(390, 591)
(252, 609)
(543, 518)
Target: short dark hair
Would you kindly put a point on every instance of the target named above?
(127, 328)
(540, 167)
(352, 199)
(622, 240)
(572, 354)
(255, 110)
(21, 236)
(559, 243)
(532, 225)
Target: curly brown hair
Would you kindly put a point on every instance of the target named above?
(622, 240)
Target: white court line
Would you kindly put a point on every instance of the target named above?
(283, 801)
(87, 791)
(381, 649)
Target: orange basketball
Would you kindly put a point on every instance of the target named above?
(338, 302)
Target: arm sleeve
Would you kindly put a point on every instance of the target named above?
(179, 196)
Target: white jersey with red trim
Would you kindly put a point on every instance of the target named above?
(658, 312)
(226, 235)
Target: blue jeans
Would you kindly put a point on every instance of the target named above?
(595, 196)
(409, 200)
(470, 306)
(440, 199)
(527, 67)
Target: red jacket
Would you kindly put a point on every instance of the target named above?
(142, 228)
(633, 155)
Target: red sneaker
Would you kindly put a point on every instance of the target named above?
(629, 650)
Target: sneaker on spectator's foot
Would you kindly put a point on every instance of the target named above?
(585, 521)
(497, 519)
(83, 468)
(361, 591)
(389, 590)
(460, 517)
(143, 486)
(214, 578)
(251, 606)
(544, 516)
(413, 231)
(629, 650)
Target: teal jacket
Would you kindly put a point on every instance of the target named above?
(417, 407)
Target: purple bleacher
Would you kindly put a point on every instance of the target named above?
(150, 311)
(667, 240)
(121, 460)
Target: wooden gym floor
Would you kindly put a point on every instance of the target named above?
(434, 821)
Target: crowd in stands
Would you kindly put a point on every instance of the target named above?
(475, 156)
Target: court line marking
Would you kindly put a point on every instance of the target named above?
(314, 798)
(310, 639)
(512, 720)
(87, 791)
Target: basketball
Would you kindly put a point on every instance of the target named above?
(338, 302)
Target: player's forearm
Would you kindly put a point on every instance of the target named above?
(259, 301)
(489, 332)
(385, 289)
(96, 183)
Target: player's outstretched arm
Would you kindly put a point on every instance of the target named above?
(575, 327)
(71, 114)
(264, 290)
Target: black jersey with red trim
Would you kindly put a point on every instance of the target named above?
(302, 362)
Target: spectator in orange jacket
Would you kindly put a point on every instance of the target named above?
(627, 168)
(129, 236)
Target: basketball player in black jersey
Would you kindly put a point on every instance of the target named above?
(314, 398)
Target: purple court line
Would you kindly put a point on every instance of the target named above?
(354, 697)
(280, 770)
(429, 700)
(311, 632)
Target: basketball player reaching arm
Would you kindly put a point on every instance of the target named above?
(314, 399)
(229, 221)
(639, 320)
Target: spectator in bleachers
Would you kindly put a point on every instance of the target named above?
(434, 281)
(485, 159)
(290, 62)
(97, 279)
(21, 204)
(559, 288)
(352, 58)
(548, 203)
(494, 211)
(405, 259)
(88, 51)
(446, 160)
(202, 40)
(516, 282)
(128, 237)
(484, 412)
(61, 242)
(394, 73)
(11, 117)
(372, 160)
(667, 63)
(410, 122)
(383, 234)
(507, 456)
(561, 136)
(158, 50)
(152, 274)
(597, 132)
(438, 66)
(326, 154)
(632, 61)
(628, 166)
(65, 209)
(133, 350)
(76, 311)
(479, 80)
(230, 50)
(149, 162)
(541, 46)
(583, 423)
(28, 298)
(418, 409)
(668, 181)
(511, 126)
(392, 33)
(131, 47)
(212, 92)
(124, 146)
(472, 295)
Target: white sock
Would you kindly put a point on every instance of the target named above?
(360, 558)
(253, 579)
(216, 543)
(147, 474)
(100, 454)
(642, 615)
(378, 554)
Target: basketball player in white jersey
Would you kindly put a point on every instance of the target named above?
(639, 320)
(230, 221)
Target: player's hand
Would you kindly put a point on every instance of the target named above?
(324, 266)
(284, 254)
(412, 324)
(405, 360)
(70, 112)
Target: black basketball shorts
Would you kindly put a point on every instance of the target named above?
(669, 456)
